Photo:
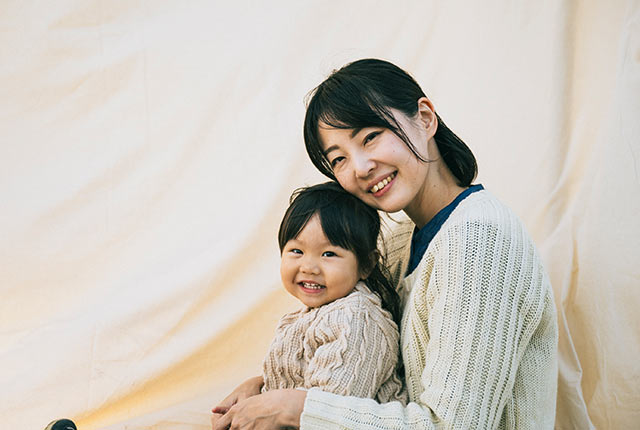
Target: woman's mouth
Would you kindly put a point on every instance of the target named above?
(383, 183)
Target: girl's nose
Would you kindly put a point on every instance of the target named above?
(308, 265)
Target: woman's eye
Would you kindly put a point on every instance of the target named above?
(336, 160)
(369, 137)
(328, 254)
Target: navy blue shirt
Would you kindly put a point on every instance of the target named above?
(422, 237)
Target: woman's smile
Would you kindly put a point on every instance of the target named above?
(380, 170)
(382, 186)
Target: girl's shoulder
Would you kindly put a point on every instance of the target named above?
(359, 298)
(361, 304)
(293, 318)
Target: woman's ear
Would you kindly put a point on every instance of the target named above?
(427, 115)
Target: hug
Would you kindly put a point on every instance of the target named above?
(446, 320)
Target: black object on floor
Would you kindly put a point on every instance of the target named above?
(63, 424)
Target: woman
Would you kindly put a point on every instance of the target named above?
(478, 333)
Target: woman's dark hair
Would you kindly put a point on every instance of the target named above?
(361, 95)
(348, 223)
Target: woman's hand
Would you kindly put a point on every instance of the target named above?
(250, 387)
(271, 410)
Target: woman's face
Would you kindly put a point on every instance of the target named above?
(376, 166)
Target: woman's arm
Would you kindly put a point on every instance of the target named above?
(248, 388)
(271, 410)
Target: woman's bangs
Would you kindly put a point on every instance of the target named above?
(350, 109)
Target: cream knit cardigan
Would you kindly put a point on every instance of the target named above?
(478, 334)
(349, 346)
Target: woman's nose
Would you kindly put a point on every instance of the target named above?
(363, 165)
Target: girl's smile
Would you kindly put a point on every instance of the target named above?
(315, 271)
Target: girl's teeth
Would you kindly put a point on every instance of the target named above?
(312, 286)
(380, 185)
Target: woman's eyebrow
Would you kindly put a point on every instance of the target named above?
(329, 149)
(354, 133)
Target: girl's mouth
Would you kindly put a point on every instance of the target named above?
(383, 183)
(311, 286)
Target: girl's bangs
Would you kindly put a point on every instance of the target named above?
(335, 226)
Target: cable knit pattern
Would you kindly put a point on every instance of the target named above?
(479, 332)
(347, 347)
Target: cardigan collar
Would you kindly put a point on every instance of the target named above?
(422, 237)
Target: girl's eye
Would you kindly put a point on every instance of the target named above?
(329, 254)
(369, 137)
(295, 251)
(336, 160)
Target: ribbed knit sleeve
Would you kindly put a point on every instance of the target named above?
(478, 335)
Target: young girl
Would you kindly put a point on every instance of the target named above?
(345, 338)
(479, 331)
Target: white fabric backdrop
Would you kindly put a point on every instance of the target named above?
(148, 149)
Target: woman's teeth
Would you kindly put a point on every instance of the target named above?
(312, 286)
(380, 185)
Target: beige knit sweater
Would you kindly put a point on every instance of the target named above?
(478, 334)
(347, 347)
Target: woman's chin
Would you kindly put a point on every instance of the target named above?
(389, 205)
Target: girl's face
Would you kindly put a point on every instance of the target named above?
(376, 166)
(315, 271)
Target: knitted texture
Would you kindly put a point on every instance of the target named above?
(347, 347)
(478, 335)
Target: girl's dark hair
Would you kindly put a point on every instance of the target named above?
(348, 223)
(361, 95)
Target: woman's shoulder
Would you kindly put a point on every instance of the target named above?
(484, 212)
(482, 205)
(485, 233)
